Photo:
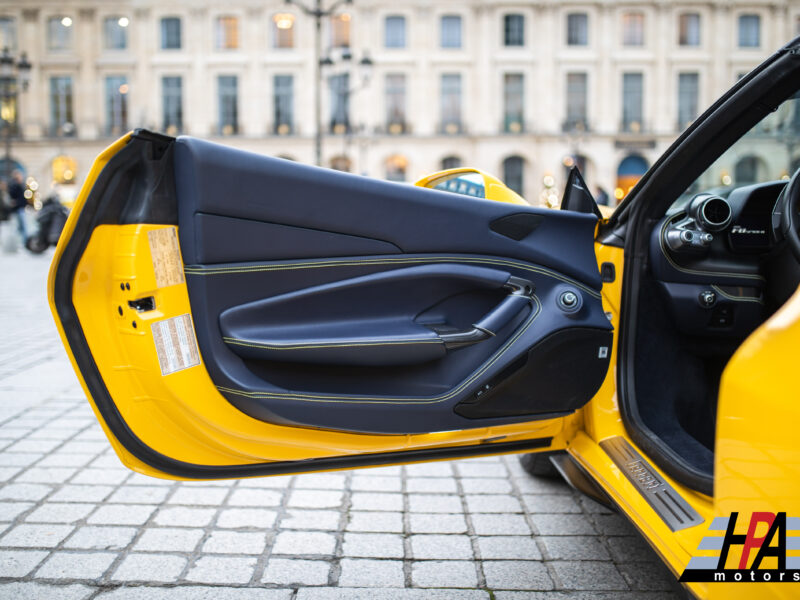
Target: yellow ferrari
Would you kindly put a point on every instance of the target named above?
(236, 315)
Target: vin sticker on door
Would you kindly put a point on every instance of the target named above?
(176, 345)
(166, 255)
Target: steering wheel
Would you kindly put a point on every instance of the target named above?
(790, 214)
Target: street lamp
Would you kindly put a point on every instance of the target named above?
(15, 76)
(319, 13)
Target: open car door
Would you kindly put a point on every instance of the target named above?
(235, 315)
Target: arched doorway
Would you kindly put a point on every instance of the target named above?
(513, 173)
(341, 163)
(748, 170)
(629, 172)
(451, 162)
(396, 166)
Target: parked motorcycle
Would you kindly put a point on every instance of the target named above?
(51, 219)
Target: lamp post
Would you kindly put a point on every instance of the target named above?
(15, 76)
(319, 13)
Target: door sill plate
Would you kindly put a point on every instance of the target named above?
(660, 495)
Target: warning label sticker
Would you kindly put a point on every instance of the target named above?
(166, 256)
(176, 345)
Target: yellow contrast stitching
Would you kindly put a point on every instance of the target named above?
(290, 266)
(238, 342)
(372, 400)
(737, 298)
(692, 271)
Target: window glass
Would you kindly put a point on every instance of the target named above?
(283, 101)
(59, 33)
(340, 103)
(340, 31)
(749, 31)
(8, 33)
(228, 99)
(633, 29)
(115, 30)
(395, 31)
(689, 29)
(170, 33)
(283, 30)
(576, 102)
(513, 102)
(61, 120)
(577, 29)
(227, 33)
(172, 104)
(513, 168)
(688, 90)
(514, 30)
(451, 31)
(395, 103)
(632, 101)
(769, 151)
(451, 103)
(116, 105)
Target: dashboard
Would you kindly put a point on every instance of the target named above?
(706, 257)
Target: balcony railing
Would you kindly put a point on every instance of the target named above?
(452, 128)
(575, 125)
(513, 124)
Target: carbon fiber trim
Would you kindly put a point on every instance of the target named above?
(660, 495)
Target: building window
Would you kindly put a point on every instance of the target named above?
(688, 91)
(749, 31)
(576, 102)
(394, 32)
(61, 121)
(689, 29)
(170, 33)
(59, 33)
(172, 104)
(451, 103)
(283, 101)
(746, 171)
(283, 31)
(115, 30)
(633, 29)
(8, 33)
(514, 30)
(116, 105)
(340, 31)
(632, 101)
(450, 31)
(396, 103)
(340, 103)
(513, 168)
(513, 102)
(451, 162)
(228, 94)
(577, 29)
(227, 33)
(396, 167)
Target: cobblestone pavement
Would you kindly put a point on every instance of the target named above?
(75, 524)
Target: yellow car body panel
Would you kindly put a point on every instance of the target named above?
(183, 416)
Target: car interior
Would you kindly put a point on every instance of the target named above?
(712, 267)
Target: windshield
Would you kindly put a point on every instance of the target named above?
(769, 151)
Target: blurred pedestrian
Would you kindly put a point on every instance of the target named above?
(16, 192)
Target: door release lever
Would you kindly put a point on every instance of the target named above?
(519, 297)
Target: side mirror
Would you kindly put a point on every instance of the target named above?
(471, 182)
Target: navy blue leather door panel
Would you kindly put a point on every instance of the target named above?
(276, 302)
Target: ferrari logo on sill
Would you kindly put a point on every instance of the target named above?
(757, 552)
